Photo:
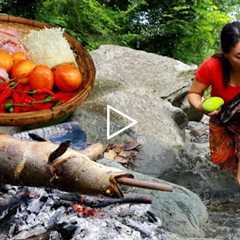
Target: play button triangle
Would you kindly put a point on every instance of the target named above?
(132, 122)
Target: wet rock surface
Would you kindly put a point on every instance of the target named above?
(217, 189)
(181, 211)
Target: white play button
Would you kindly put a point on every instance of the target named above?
(132, 122)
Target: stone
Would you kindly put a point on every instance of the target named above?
(157, 131)
(181, 211)
(191, 112)
(136, 83)
(134, 68)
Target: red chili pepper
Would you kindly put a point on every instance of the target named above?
(39, 91)
(45, 90)
(42, 101)
(22, 87)
(3, 86)
(63, 96)
(42, 106)
(39, 96)
(22, 102)
(5, 93)
(22, 98)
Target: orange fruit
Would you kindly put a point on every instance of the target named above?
(21, 70)
(67, 77)
(6, 60)
(19, 56)
(41, 77)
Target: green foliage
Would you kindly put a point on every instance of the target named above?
(183, 29)
(23, 8)
(161, 24)
(88, 20)
(201, 37)
(187, 30)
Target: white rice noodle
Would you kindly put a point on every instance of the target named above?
(48, 46)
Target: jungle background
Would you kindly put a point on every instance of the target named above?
(187, 30)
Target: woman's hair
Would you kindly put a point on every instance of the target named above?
(230, 36)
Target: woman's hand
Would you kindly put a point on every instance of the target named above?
(210, 114)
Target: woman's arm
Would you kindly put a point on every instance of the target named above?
(195, 94)
(195, 97)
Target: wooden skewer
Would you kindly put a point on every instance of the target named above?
(144, 184)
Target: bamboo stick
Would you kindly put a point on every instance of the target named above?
(144, 184)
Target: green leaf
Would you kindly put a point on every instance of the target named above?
(32, 92)
(47, 99)
(9, 106)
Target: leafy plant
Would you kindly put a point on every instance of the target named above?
(183, 29)
(201, 37)
(88, 20)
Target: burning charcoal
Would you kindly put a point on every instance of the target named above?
(84, 211)
(55, 218)
(43, 236)
(12, 230)
(7, 206)
(100, 202)
(43, 199)
(81, 233)
(31, 233)
(44, 216)
(151, 217)
(138, 228)
(61, 203)
(55, 236)
(66, 229)
(3, 236)
(31, 220)
(73, 197)
(4, 188)
(35, 206)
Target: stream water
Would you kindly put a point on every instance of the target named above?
(224, 220)
(221, 195)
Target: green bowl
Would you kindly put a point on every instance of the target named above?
(212, 104)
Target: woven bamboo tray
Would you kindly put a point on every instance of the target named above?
(59, 112)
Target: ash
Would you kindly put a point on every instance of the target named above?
(46, 214)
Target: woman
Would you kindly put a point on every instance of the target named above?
(222, 73)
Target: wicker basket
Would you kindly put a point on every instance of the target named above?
(59, 112)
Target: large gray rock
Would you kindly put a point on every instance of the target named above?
(172, 236)
(200, 174)
(135, 82)
(180, 211)
(132, 68)
(159, 134)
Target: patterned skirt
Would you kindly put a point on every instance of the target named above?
(225, 144)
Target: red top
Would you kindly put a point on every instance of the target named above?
(210, 73)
